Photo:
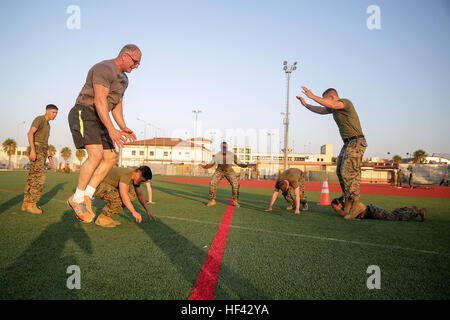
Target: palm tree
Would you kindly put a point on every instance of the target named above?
(419, 156)
(9, 146)
(52, 150)
(80, 154)
(397, 159)
(66, 153)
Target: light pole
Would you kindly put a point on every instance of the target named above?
(269, 135)
(195, 129)
(288, 70)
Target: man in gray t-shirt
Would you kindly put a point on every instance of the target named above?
(92, 128)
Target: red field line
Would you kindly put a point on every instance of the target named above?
(207, 279)
(374, 189)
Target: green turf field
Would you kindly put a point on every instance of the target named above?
(275, 255)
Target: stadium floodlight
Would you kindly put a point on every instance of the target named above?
(288, 70)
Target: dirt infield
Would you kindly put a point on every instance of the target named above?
(375, 189)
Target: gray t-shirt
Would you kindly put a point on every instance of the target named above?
(107, 74)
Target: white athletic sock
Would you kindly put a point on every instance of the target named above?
(78, 197)
(89, 191)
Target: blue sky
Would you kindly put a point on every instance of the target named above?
(225, 58)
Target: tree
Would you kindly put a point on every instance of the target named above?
(80, 154)
(52, 150)
(9, 146)
(397, 159)
(419, 156)
(66, 153)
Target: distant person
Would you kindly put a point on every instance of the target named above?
(394, 177)
(350, 158)
(411, 178)
(294, 179)
(38, 139)
(225, 161)
(91, 126)
(374, 212)
(444, 180)
(120, 187)
(399, 178)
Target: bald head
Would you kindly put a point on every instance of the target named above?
(130, 49)
(129, 58)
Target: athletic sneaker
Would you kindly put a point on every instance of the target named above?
(80, 210)
(88, 202)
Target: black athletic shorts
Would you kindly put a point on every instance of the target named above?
(87, 128)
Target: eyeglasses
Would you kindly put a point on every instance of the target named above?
(134, 61)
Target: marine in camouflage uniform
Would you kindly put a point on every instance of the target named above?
(350, 158)
(111, 196)
(109, 191)
(374, 212)
(399, 214)
(225, 161)
(38, 138)
(296, 180)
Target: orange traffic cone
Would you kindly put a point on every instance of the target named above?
(325, 195)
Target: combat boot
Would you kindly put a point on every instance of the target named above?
(25, 205)
(236, 204)
(211, 203)
(423, 214)
(117, 223)
(305, 206)
(357, 208)
(347, 207)
(103, 221)
(33, 209)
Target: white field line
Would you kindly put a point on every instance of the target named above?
(384, 246)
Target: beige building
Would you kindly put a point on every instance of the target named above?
(165, 151)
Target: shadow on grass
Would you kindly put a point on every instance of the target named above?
(188, 259)
(195, 193)
(48, 196)
(11, 203)
(40, 271)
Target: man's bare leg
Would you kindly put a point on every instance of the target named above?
(77, 201)
(109, 160)
(95, 157)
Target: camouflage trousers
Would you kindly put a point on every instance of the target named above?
(111, 196)
(36, 175)
(400, 214)
(288, 196)
(218, 176)
(349, 167)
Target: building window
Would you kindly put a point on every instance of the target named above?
(152, 153)
(241, 150)
(165, 153)
(141, 153)
(133, 153)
